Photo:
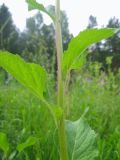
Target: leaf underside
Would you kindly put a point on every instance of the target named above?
(80, 43)
(31, 75)
(81, 140)
(33, 4)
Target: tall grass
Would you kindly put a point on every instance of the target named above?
(22, 115)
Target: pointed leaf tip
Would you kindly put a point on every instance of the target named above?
(33, 4)
(31, 75)
(72, 56)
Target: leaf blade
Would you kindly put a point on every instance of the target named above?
(29, 142)
(4, 145)
(33, 4)
(30, 75)
(81, 140)
(80, 43)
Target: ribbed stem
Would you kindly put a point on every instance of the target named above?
(61, 127)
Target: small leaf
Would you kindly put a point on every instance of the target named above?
(29, 142)
(4, 145)
(30, 75)
(81, 140)
(80, 43)
(33, 4)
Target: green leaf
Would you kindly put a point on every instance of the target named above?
(78, 63)
(4, 145)
(33, 4)
(81, 140)
(29, 142)
(80, 43)
(30, 75)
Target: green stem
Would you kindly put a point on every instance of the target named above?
(50, 111)
(61, 127)
(49, 107)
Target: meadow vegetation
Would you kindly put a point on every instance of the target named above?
(96, 96)
(27, 130)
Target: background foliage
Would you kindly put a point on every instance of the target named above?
(94, 93)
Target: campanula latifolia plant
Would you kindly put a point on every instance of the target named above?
(76, 139)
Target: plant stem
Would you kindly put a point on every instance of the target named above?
(61, 127)
(50, 111)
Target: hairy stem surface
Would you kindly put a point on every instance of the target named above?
(61, 127)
